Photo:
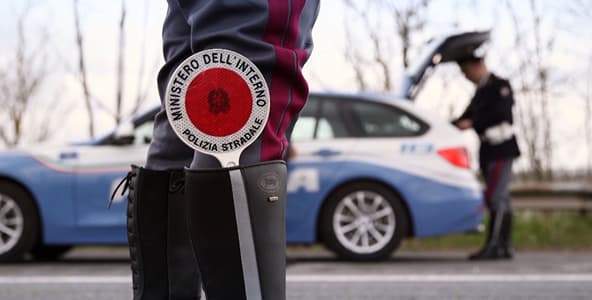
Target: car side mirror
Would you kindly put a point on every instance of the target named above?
(124, 134)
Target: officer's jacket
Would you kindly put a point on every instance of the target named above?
(490, 110)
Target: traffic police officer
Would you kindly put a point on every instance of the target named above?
(490, 114)
(181, 223)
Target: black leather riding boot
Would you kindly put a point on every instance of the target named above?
(183, 274)
(163, 265)
(506, 236)
(237, 225)
(491, 248)
(146, 233)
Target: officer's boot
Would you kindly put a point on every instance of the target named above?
(237, 225)
(491, 248)
(183, 274)
(506, 236)
(163, 266)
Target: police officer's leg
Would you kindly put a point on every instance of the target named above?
(163, 263)
(484, 168)
(488, 170)
(239, 230)
(506, 235)
(488, 175)
(505, 208)
(496, 194)
(146, 233)
(501, 198)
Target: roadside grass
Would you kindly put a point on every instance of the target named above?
(559, 231)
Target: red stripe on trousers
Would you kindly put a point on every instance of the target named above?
(287, 79)
(493, 181)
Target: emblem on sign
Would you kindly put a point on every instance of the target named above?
(218, 103)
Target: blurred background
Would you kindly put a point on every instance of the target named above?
(73, 70)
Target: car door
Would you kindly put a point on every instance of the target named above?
(321, 130)
(335, 130)
(311, 169)
(332, 131)
(357, 127)
(99, 169)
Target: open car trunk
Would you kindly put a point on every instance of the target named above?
(440, 50)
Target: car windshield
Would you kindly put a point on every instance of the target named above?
(142, 132)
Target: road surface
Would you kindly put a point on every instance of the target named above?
(103, 273)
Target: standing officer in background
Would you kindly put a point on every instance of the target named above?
(183, 229)
(490, 114)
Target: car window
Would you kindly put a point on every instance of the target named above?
(305, 127)
(379, 120)
(320, 119)
(331, 124)
(143, 133)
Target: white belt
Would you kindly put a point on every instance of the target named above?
(498, 134)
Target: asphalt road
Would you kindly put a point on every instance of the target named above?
(103, 273)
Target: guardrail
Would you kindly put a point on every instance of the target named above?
(553, 196)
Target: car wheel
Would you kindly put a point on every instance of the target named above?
(50, 253)
(364, 221)
(19, 222)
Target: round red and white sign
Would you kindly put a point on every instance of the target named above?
(217, 102)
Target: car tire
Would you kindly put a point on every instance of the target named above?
(50, 252)
(19, 222)
(363, 235)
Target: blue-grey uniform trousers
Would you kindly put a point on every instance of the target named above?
(274, 34)
(498, 175)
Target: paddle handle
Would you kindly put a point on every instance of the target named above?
(230, 159)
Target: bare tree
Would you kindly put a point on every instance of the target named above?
(542, 47)
(141, 88)
(21, 81)
(379, 21)
(356, 61)
(588, 117)
(82, 72)
(580, 14)
(579, 8)
(530, 48)
(94, 105)
(410, 19)
(120, 66)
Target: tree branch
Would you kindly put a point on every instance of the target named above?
(82, 70)
(120, 66)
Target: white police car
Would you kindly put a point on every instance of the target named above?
(368, 172)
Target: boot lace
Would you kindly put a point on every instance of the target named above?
(125, 182)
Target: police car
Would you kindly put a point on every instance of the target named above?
(366, 172)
